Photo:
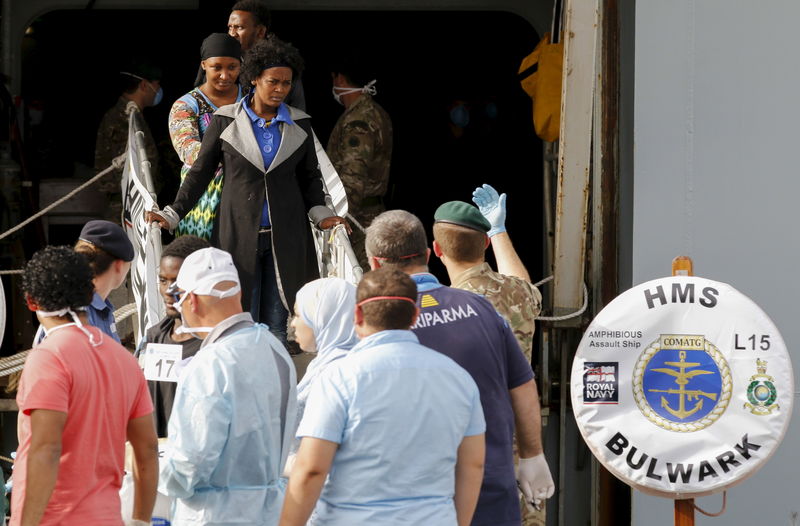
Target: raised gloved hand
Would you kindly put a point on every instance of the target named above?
(492, 206)
(534, 480)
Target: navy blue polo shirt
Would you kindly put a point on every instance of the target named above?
(101, 315)
(468, 329)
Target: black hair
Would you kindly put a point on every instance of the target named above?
(258, 9)
(268, 52)
(57, 278)
(354, 64)
(183, 246)
(134, 70)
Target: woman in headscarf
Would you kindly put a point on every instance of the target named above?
(273, 185)
(221, 60)
(323, 323)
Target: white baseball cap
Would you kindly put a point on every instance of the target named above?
(203, 269)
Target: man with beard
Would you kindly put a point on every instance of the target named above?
(166, 331)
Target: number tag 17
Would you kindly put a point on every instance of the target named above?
(162, 362)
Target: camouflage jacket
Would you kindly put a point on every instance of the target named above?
(360, 148)
(517, 300)
(112, 138)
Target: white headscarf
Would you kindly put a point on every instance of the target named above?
(326, 305)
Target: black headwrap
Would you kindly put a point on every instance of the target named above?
(218, 45)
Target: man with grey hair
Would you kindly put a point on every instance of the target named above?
(466, 327)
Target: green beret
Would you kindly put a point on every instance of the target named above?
(461, 213)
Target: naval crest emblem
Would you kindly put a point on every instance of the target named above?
(682, 383)
(761, 392)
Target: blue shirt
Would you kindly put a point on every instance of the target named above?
(468, 329)
(398, 411)
(101, 315)
(268, 136)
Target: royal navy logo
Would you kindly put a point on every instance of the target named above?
(682, 383)
(600, 383)
(761, 391)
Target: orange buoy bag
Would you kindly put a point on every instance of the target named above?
(540, 76)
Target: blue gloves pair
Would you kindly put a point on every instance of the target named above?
(493, 207)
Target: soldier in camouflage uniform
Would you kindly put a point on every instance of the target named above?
(360, 148)
(461, 249)
(142, 87)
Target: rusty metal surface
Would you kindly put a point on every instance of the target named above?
(581, 25)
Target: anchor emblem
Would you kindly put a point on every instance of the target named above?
(682, 378)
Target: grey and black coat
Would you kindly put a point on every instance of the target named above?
(292, 186)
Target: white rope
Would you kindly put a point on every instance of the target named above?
(565, 316)
(116, 164)
(10, 272)
(124, 312)
(11, 364)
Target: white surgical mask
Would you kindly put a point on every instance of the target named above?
(75, 321)
(368, 88)
(178, 306)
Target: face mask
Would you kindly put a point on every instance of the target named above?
(459, 116)
(159, 96)
(178, 306)
(159, 92)
(368, 88)
(75, 321)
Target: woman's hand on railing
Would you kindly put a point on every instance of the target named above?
(332, 221)
(153, 217)
(166, 218)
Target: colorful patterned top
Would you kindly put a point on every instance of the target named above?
(188, 121)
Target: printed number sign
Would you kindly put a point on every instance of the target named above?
(682, 387)
(162, 361)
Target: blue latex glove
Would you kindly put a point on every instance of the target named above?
(492, 206)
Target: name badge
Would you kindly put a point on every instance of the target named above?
(162, 362)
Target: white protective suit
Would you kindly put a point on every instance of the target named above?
(231, 428)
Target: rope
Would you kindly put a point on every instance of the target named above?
(565, 316)
(124, 312)
(10, 361)
(11, 364)
(10, 272)
(116, 164)
(720, 512)
(5, 458)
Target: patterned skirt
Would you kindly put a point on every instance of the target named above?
(200, 219)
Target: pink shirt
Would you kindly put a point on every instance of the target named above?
(100, 389)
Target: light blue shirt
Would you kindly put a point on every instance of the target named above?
(231, 428)
(399, 412)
